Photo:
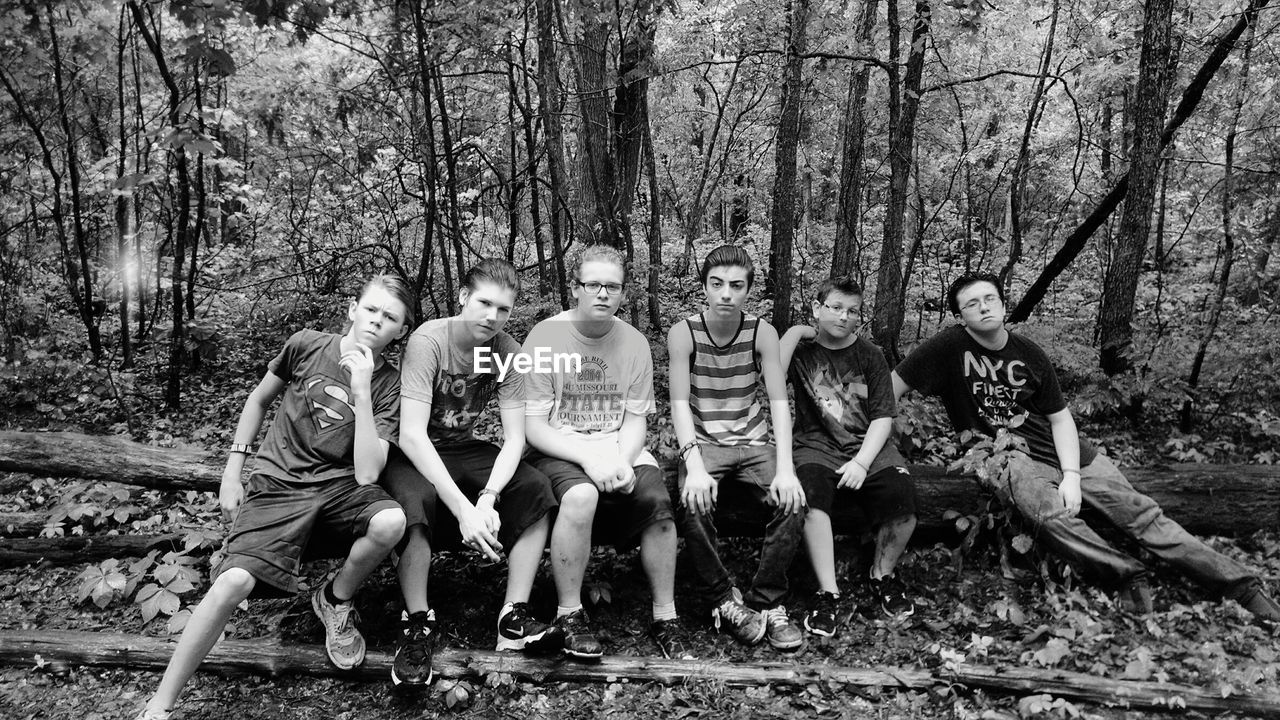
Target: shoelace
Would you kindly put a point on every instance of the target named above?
(733, 612)
(776, 617)
(343, 623)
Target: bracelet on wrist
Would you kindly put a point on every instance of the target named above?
(858, 462)
(685, 449)
(245, 448)
(489, 491)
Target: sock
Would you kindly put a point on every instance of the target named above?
(562, 610)
(329, 596)
(664, 611)
(506, 608)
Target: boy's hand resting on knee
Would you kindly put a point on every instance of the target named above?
(230, 495)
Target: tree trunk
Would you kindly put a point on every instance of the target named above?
(122, 201)
(655, 224)
(1155, 75)
(596, 217)
(904, 103)
(1076, 241)
(1208, 499)
(783, 215)
(75, 550)
(177, 340)
(548, 80)
(428, 174)
(273, 658)
(1017, 178)
(847, 254)
(1228, 243)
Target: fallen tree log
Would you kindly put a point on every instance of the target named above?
(273, 658)
(1207, 499)
(82, 548)
(22, 524)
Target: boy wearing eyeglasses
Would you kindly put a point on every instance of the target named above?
(844, 441)
(718, 360)
(990, 378)
(586, 423)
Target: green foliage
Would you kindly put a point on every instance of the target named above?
(90, 506)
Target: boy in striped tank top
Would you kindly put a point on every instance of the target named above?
(717, 361)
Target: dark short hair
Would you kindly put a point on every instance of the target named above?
(729, 256)
(964, 281)
(843, 284)
(492, 270)
(601, 253)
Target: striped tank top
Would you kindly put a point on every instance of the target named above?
(723, 380)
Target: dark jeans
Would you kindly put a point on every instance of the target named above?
(744, 474)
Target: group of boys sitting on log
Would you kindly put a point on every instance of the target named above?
(360, 454)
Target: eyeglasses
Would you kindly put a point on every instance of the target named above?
(989, 300)
(593, 288)
(840, 312)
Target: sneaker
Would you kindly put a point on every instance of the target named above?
(894, 603)
(342, 641)
(579, 642)
(824, 617)
(414, 649)
(1257, 601)
(518, 630)
(670, 638)
(784, 633)
(745, 625)
(1135, 597)
(149, 714)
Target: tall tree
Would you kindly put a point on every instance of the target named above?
(550, 108)
(846, 256)
(782, 235)
(904, 104)
(1155, 77)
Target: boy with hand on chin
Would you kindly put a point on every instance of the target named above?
(844, 441)
(988, 378)
(718, 359)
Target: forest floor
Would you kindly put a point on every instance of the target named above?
(967, 605)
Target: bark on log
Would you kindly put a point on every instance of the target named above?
(273, 658)
(1206, 499)
(82, 549)
(21, 524)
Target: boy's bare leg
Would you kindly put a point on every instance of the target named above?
(414, 570)
(198, 637)
(523, 559)
(571, 542)
(891, 540)
(658, 556)
(821, 548)
(385, 530)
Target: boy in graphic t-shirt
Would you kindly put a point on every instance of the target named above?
(989, 378)
(586, 422)
(844, 441)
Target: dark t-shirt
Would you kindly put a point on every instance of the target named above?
(838, 393)
(435, 372)
(312, 436)
(985, 389)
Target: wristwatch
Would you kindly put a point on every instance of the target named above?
(489, 491)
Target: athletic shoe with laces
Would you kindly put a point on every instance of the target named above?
(669, 636)
(342, 641)
(414, 649)
(733, 617)
(579, 641)
(783, 632)
(1257, 601)
(1135, 597)
(150, 714)
(518, 630)
(894, 603)
(824, 616)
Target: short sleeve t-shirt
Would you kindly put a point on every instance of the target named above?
(837, 395)
(312, 436)
(983, 389)
(436, 371)
(587, 398)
